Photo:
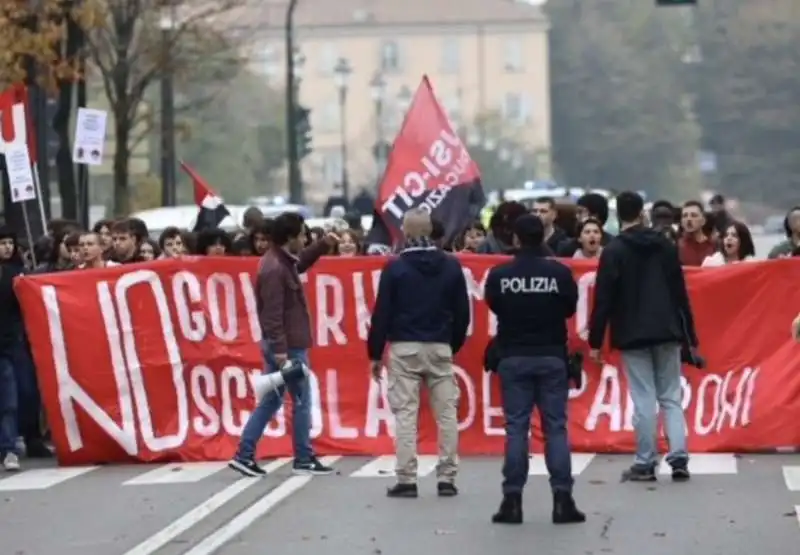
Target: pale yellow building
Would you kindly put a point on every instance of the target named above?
(482, 56)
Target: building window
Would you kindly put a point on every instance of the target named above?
(452, 106)
(516, 108)
(269, 61)
(514, 56)
(332, 166)
(451, 55)
(329, 115)
(328, 56)
(390, 57)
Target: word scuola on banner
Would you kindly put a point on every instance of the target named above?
(153, 363)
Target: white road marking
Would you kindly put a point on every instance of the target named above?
(791, 475)
(214, 541)
(177, 473)
(384, 467)
(42, 478)
(706, 463)
(200, 512)
(579, 463)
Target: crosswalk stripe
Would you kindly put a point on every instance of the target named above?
(580, 461)
(200, 512)
(791, 475)
(42, 478)
(177, 473)
(383, 467)
(706, 463)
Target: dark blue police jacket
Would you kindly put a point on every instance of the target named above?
(532, 297)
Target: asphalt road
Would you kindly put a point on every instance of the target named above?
(734, 505)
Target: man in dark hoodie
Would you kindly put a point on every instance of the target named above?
(422, 312)
(590, 205)
(11, 266)
(641, 293)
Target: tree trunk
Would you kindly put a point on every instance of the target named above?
(64, 165)
(122, 158)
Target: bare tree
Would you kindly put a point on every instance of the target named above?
(139, 41)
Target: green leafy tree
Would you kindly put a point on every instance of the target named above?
(131, 51)
(748, 86)
(237, 141)
(504, 160)
(620, 116)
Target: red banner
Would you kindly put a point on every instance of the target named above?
(16, 125)
(152, 363)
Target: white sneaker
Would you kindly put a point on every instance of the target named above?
(11, 463)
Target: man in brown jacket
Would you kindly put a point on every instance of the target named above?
(287, 335)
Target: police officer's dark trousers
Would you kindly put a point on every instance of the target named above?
(528, 382)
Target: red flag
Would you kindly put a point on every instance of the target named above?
(212, 207)
(429, 167)
(17, 124)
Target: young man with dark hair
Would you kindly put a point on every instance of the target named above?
(124, 242)
(171, 243)
(287, 335)
(694, 245)
(640, 292)
(545, 209)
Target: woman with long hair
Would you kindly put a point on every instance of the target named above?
(736, 246)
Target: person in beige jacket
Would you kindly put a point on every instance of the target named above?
(796, 329)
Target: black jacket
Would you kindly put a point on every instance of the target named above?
(641, 292)
(533, 297)
(556, 239)
(422, 297)
(11, 329)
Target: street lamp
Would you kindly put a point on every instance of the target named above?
(342, 73)
(166, 24)
(378, 90)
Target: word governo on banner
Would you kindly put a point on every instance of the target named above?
(153, 362)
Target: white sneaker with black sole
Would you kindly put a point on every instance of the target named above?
(247, 467)
(311, 467)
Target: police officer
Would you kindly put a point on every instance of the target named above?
(533, 297)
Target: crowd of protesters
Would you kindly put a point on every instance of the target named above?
(704, 238)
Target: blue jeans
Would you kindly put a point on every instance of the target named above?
(271, 403)
(30, 403)
(654, 378)
(8, 405)
(528, 382)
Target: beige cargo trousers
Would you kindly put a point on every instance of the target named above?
(410, 365)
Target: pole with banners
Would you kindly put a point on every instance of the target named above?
(90, 138)
(17, 133)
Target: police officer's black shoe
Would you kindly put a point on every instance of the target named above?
(510, 511)
(564, 509)
(402, 490)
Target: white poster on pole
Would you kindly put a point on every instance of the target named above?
(20, 177)
(90, 136)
